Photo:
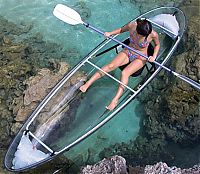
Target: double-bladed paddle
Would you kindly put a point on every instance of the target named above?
(70, 16)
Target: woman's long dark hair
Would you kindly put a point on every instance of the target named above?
(144, 27)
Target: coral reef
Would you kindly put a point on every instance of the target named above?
(178, 114)
(18, 61)
(26, 64)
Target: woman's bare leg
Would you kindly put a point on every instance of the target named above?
(120, 90)
(129, 70)
(119, 60)
(96, 76)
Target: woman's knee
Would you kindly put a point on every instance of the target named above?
(111, 66)
(125, 73)
(107, 68)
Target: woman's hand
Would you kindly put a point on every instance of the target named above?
(107, 34)
(151, 58)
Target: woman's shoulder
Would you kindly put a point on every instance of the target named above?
(154, 34)
(132, 25)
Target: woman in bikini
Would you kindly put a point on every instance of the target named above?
(141, 34)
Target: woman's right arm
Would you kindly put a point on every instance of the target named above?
(118, 30)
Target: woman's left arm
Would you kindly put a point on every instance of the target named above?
(156, 48)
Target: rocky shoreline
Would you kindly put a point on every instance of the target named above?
(173, 116)
(117, 165)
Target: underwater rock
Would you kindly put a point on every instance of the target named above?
(36, 90)
(12, 71)
(113, 165)
(7, 40)
(178, 106)
(6, 121)
(83, 10)
(147, 5)
(15, 127)
(21, 57)
(141, 151)
(172, 111)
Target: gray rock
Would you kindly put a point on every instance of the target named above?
(163, 168)
(113, 165)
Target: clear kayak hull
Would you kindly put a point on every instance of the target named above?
(55, 128)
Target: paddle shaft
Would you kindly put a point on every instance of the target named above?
(186, 79)
(70, 16)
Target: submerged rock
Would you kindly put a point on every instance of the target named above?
(82, 8)
(35, 91)
(172, 112)
(147, 5)
(176, 112)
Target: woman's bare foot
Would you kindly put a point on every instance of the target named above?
(112, 105)
(84, 87)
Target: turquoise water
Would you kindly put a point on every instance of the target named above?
(39, 14)
(103, 14)
(122, 128)
(100, 14)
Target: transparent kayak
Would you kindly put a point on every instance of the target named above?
(65, 117)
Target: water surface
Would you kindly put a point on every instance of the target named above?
(77, 41)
